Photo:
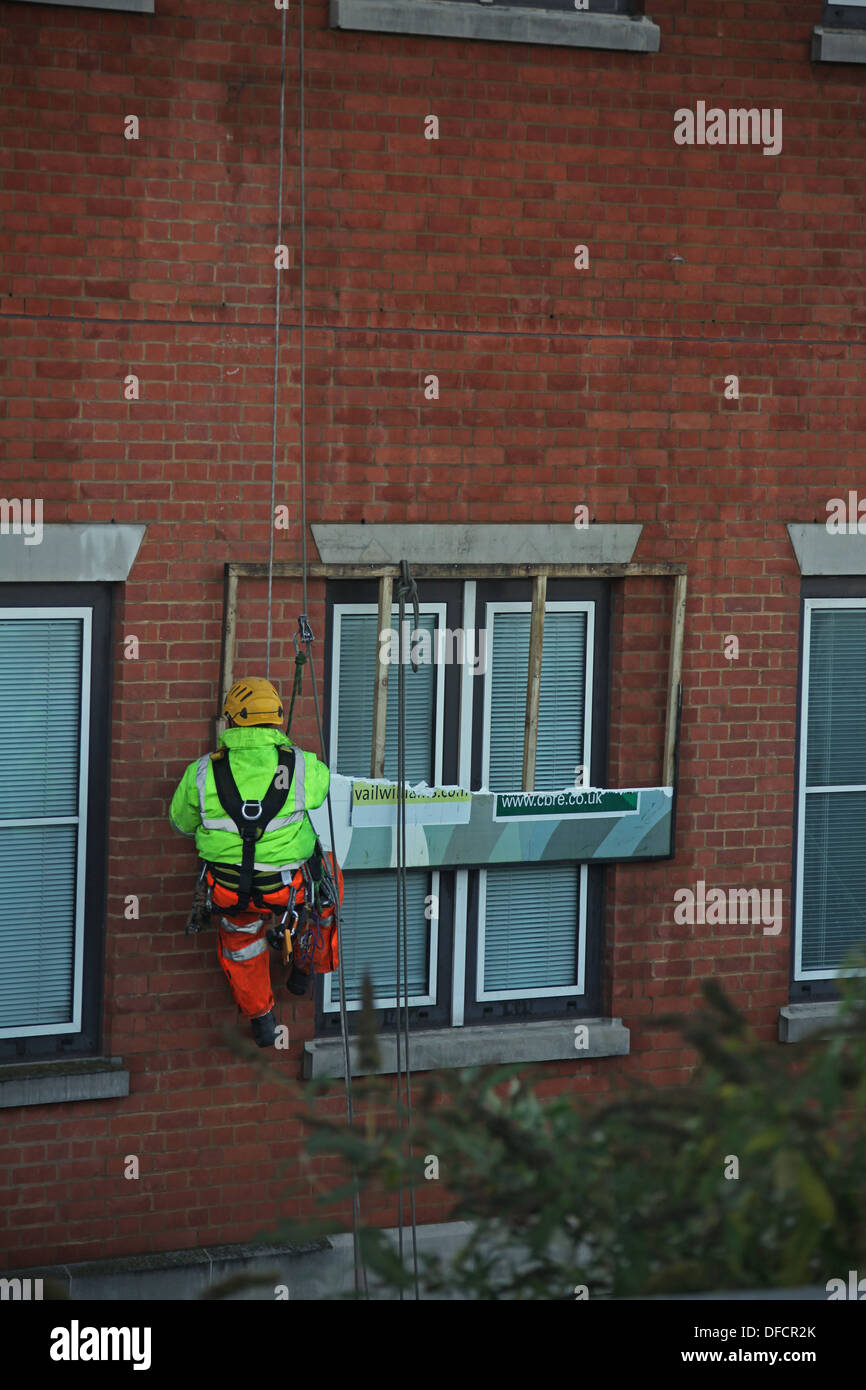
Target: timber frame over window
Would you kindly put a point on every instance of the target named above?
(479, 995)
(539, 574)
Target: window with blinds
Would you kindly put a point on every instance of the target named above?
(44, 690)
(831, 881)
(368, 920)
(532, 917)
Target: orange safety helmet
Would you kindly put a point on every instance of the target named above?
(253, 701)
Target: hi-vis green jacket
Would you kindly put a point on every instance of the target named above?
(290, 839)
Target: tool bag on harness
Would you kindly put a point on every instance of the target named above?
(251, 817)
(316, 950)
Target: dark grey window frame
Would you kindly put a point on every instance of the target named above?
(449, 592)
(843, 16)
(99, 598)
(511, 1011)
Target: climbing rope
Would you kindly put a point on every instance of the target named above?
(406, 588)
(304, 631)
(360, 1270)
(277, 328)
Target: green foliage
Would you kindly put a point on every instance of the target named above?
(628, 1195)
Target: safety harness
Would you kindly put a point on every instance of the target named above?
(251, 817)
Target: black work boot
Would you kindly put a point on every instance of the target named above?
(298, 982)
(264, 1029)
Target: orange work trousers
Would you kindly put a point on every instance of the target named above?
(242, 948)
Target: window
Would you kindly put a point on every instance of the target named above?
(830, 877)
(484, 944)
(54, 710)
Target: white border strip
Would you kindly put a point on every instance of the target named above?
(464, 779)
(809, 604)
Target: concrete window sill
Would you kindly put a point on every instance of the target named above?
(134, 6)
(798, 1021)
(62, 1082)
(838, 45)
(443, 1049)
(453, 20)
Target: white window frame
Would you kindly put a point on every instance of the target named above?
(482, 995)
(331, 1004)
(380, 1001)
(555, 606)
(85, 615)
(809, 605)
(440, 609)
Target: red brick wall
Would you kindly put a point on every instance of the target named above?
(558, 386)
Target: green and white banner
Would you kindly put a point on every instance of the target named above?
(450, 827)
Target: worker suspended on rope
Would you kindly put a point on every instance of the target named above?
(246, 805)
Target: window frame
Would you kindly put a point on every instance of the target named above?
(60, 1041)
(85, 616)
(331, 1004)
(459, 890)
(492, 607)
(440, 609)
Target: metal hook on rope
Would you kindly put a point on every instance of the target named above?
(305, 632)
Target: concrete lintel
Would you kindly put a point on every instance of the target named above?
(820, 551)
(53, 1083)
(70, 554)
(552, 1040)
(450, 19)
(798, 1021)
(482, 544)
(838, 45)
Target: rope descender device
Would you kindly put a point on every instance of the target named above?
(305, 633)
